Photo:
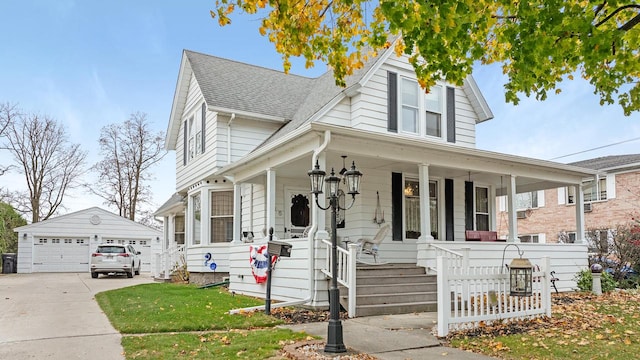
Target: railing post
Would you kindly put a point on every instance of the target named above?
(352, 273)
(444, 297)
(465, 257)
(167, 264)
(546, 285)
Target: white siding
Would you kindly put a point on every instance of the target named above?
(340, 114)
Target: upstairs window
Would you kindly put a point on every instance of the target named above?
(420, 113)
(592, 190)
(527, 200)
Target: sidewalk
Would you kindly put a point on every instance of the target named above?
(392, 337)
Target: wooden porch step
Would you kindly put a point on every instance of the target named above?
(400, 308)
(393, 279)
(396, 298)
(396, 288)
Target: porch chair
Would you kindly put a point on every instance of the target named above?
(370, 246)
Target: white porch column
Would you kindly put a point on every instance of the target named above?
(237, 213)
(170, 234)
(422, 245)
(425, 204)
(271, 200)
(511, 207)
(580, 238)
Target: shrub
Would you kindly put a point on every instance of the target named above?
(585, 281)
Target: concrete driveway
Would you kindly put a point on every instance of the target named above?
(55, 316)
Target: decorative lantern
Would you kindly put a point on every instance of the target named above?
(317, 179)
(520, 277)
(353, 177)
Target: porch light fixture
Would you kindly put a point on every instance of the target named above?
(335, 343)
(520, 274)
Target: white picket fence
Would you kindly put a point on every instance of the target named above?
(469, 295)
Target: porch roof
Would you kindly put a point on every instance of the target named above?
(388, 151)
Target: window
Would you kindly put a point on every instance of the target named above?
(410, 106)
(598, 241)
(221, 216)
(592, 190)
(42, 241)
(526, 201)
(196, 210)
(178, 226)
(412, 208)
(566, 237)
(482, 208)
(433, 107)
(529, 238)
(143, 242)
(420, 113)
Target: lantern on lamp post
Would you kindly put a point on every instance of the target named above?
(335, 343)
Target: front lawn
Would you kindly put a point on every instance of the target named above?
(583, 326)
(175, 321)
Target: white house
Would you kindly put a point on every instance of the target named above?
(246, 136)
(65, 243)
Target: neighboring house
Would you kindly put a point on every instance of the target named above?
(65, 243)
(246, 136)
(611, 198)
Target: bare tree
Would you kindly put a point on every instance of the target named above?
(129, 150)
(50, 163)
(8, 114)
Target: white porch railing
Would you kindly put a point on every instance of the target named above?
(458, 259)
(469, 295)
(166, 260)
(346, 271)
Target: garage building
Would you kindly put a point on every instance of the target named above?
(65, 243)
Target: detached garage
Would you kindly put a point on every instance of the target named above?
(65, 243)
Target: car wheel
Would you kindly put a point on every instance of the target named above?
(130, 274)
(94, 275)
(138, 270)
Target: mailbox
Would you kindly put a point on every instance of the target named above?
(279, 248)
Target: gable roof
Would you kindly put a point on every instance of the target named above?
(231, 86)
(79, 214)
(612, 162)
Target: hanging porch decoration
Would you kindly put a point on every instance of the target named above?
(258, 259)
(378, 215)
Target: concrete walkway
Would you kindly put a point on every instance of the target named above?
(55, 316)
(392, 337)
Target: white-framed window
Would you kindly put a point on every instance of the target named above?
(412, 208)
(178, 226)
(567, 237)
(482, 208)
(433, 111)
(421, 114)
(221, 216)
(532, 238)
(196, 212)
(528, 200)
(592, 190)
(598, 240)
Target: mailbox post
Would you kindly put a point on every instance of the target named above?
(277, 249)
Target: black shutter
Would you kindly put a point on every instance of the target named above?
(396, 205)
(468, 205)
(204, 124)
(451, 114)
(184, 144)
(448, 209)
(392, 101)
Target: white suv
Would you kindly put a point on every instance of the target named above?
(114, 258)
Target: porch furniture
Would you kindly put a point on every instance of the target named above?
(370, 246)
(481, 235)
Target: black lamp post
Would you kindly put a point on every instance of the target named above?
(335, 343)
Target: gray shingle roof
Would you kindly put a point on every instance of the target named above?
(242, 87)
(609, 162)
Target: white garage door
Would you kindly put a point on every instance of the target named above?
(60, 254)
(144, 246)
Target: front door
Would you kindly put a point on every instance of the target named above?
(297, 212)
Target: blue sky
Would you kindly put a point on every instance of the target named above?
(92, 63)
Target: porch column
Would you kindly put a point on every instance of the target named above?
(580, 238)
(271, 200)
(170, 233)
(425, 203)
(237, 213)
(511, 208)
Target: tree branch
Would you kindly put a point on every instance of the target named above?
(616, 11)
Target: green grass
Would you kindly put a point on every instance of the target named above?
(155, 308)
(237, 344)
(177, 321)
(606, 327)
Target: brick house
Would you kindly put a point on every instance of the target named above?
(547, 216)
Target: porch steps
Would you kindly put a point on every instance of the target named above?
(392, 289)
